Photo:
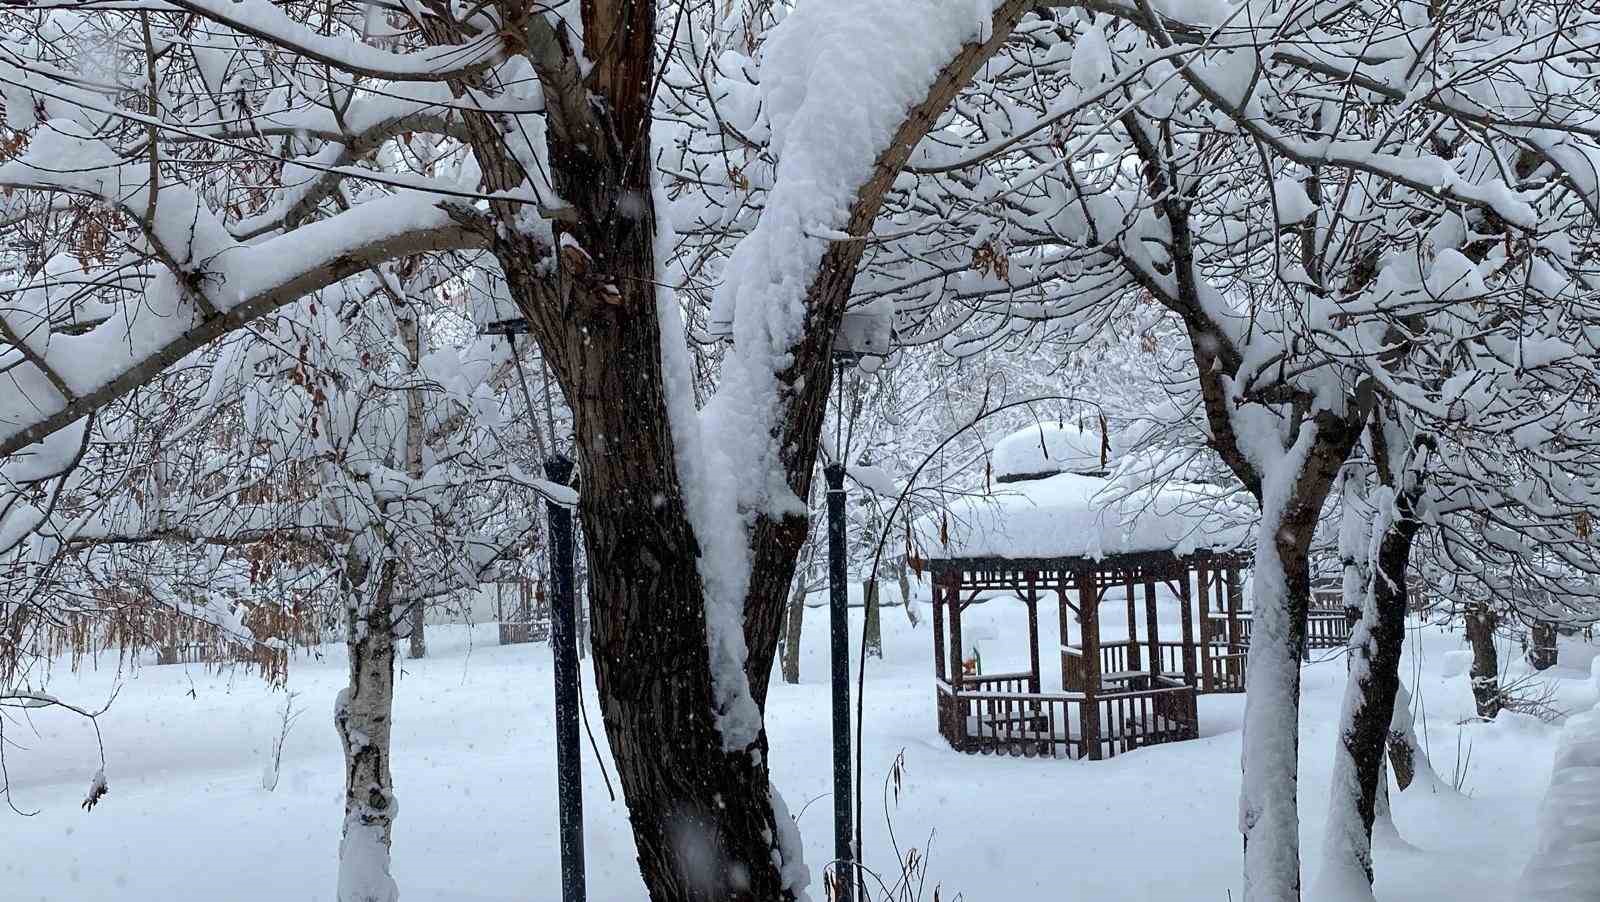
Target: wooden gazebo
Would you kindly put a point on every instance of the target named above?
(1068, 533)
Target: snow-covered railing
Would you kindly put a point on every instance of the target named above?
(1066, 724)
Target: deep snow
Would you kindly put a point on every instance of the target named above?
(187, 816)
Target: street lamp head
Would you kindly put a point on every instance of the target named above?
(864, 336)
(515, 325)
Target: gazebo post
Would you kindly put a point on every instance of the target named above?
(1152, 626)
(1069, 677)
(952, 725)
(958, 654)
(1033, 634)
(1089, 602)
(1197, 580)
(1133, 629)
(1186, 620)
(1230, 595)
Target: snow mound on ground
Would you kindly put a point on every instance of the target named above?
(1049, 448)
(1566, 862)
(1068, 515)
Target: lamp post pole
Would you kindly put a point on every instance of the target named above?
(564, 644)
(559, 469)
(863, 340)
(839, 623)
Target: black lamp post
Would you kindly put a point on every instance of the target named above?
(563, 643)
(839, 629)
(862, 336)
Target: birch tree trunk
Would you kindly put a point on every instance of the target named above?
(872, 626)
(905, 592)
(362, 717)
(411, 337)
(791, 630)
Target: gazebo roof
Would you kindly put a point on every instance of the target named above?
(1069, 517)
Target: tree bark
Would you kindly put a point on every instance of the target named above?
(776, 542)
(872, 626)
(362, 716)
(418, 641)
(1367, 718)
(905, 592)
(1269, 812)
(1407, 757)
(1481, 625)
(411, 337)
(1544, 651)
(1290, 481)
(706, 822)
(703, 817)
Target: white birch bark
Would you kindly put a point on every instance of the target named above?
(362, 716)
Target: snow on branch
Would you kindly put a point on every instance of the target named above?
(268, 23)
(239, 282)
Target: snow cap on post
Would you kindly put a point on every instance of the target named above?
(1046, 449)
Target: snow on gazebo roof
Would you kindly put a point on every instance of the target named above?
(1074, 516)
(1049, 448)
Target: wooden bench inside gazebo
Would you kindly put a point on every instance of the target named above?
(1065, 532)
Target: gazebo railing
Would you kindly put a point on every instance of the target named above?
(1324, 628)
(1027, 724)
(1014, 683)
(1065, 724)
(1227, 670)
(1165, 712)
(1327, 630)
(1242, 624)
(1119, 657)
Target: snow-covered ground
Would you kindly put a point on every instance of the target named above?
(187, 817)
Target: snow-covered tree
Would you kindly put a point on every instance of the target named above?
(1372, 222)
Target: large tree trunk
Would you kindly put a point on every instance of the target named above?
(1481, 625)
(1368, 712)
(704, 821)
(1268, 805)
(362, 716)
(1269, 812)
(703, 817)
(684, 725)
